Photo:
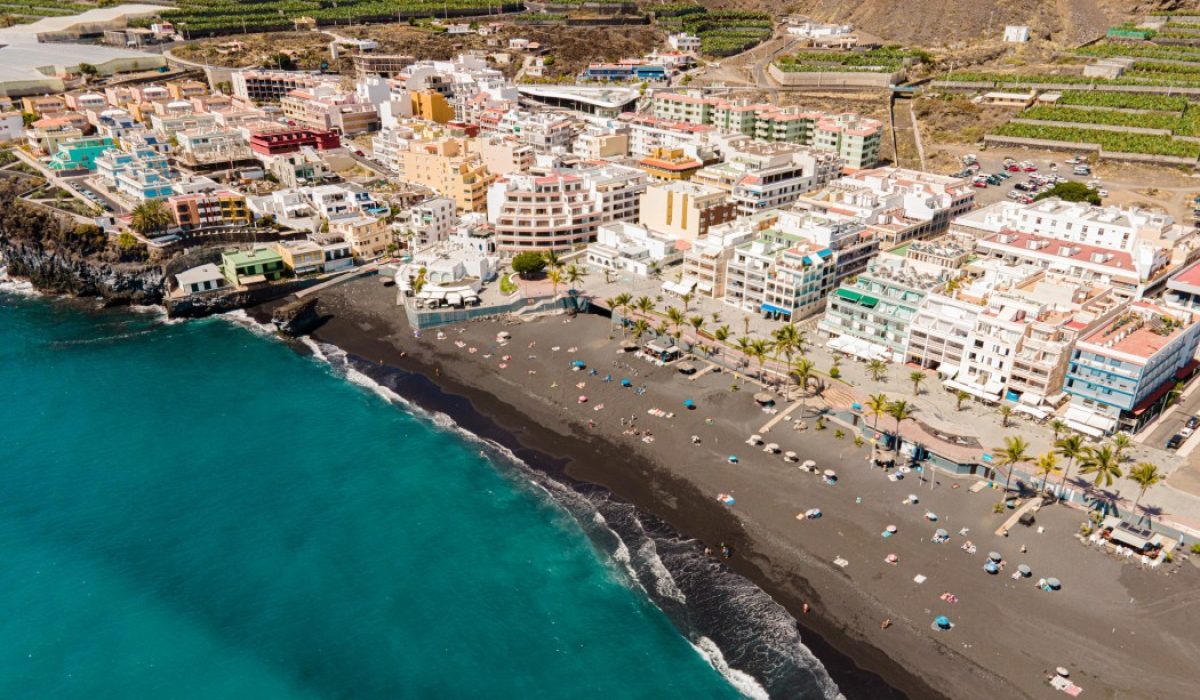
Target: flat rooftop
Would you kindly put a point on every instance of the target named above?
(1141, 331)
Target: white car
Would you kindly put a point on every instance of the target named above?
(1103, 193)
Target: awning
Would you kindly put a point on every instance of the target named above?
(1031, 410)
(776, 309)
(838, 343)
(849, 295)
(454, 298)
(973, 389)
(949, 372)
(1102, 422)
(868, 301)
(252, 279)
(1031, 399)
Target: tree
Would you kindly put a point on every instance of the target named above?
(788, 340)
(1101, 464)
(555, 275)
(150, 217)
(1175, 393)
(621, 304)
(900, 410)
(1013, 452)
(759, 349)
(877, 405)
(1071, 192)
(1071, 447)
(88, 70)
(421, 280)
(697, 322)
(644, 305)
(126, 240)
(528, 264)
(916, 377)
(722, 333)
(281, 61)
(1006, 412)
(877, 369)
(574, 275)
(1121, 442)
(803, 371)
(686, 298)
(640, 327)
(552, 259)
(676, 317)
(1058, 427)
(1145, 475)
(745, 346)
(959, 397)
(1047, 466)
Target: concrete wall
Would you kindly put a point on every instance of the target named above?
(849, 79)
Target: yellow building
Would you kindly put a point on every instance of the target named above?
(431, 106)
(301, 257)
(448, 167)
(684, 210)
(669, 164)
(368, 236)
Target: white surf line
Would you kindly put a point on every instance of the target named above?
(778, 417)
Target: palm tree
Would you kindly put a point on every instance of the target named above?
(555, 276)
(675, 316)
(916, 377)
(1102, 464)
(574, 275)
(744, 345)
(1145, 475)
(697, 323)
(760, 348)
(1014, 452)
(722, 333)
(611, 303)
(877, 405)
(1175, 393)
(621, 302)
(640, 327)
(787, 340)
(686, 298)
(552, 259)
(1006, 412)
(150, 217)
(644, 304)
(803, 371)
(900, 410)
(1121, 442)
(1047, 465)
(959, 397)
(877, 369)
(1058, 427)
(1072, 448)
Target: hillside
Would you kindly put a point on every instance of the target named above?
(946, 22)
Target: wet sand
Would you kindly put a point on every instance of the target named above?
(1122, 631)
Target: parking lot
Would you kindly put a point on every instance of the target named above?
(997, 177)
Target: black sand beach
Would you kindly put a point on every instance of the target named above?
(531, 407)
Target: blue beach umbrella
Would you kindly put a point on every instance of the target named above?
(991, 567)
(626, 383)
(733, 459)
(579, 363)
(689, 404)
(942, 622)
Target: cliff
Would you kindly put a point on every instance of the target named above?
(69, 272)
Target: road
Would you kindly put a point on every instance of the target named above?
(101, 196)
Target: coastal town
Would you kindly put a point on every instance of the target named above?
(918, 331)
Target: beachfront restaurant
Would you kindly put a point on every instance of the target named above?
(662, 350)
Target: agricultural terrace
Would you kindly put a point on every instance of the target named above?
(721, 32)
(1114, 141)
(1131, 77)
(214, 17)
(882, 60)
(12, 12)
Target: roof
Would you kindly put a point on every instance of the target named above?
(200, 273)
(1080, 252)
(1137, 331)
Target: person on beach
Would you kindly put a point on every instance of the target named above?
(726, 552)
(885, 624)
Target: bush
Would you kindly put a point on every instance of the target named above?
(1071, 192)
(530, 263)
(1196, 548)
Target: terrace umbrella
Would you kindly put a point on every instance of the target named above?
(790, 456)
(1054, 583)
(756, 439)
(689, 404)
(808, 464)
(629, 347)
(626, 383)
(579, 364)
(941, 533)
(994, 556)
(892, 529)
(764, 398)
(733, 459)
(991, 567)
(1025, 570)
(942, 622)
(582, 399)
(772, 447)
(830, 473)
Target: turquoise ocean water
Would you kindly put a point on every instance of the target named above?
(195, 511)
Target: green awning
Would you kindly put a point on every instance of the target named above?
(867, 301)
(848, 295)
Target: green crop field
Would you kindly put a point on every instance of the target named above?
(212, 17)
(1123, 100)
(1114, 141)
(886, 59)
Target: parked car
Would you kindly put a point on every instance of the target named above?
(1102, 193)
(1174, 442)
(1029, 167)
(1026, 199)
(1002, 175)
(1014, 168)
(993, 180)
(1082, 170)
(981, 184)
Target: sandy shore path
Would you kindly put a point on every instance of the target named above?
(1122, 631)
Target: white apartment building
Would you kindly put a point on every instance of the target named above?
(170, 125)
(648, 133)
(545, 132)
(761, 175)
(255, 85)
(625, 247)
(1111, 228)
(215, 145)
(388, 146)
(683, 41)
(899, 205)
(706, 261)
(429, 222)
(599, 143)
(618, 190)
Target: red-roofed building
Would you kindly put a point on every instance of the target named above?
(279, 141)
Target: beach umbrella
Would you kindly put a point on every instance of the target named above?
(892, 558)
(764, 398)
(579, 364)
(1062, 671)
(941, 533)
(756, 439)
(626, 383)
(830, 472)
(733, 459)
(790, 456)
(912, 498)
(808, 464)
(1025, 570)
(689, 404)
(856, 406)
(994, 556)
(942, 622)
(1054, 583)
(582, 399)
(991, 567)
(772, 447)
(892, 528)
